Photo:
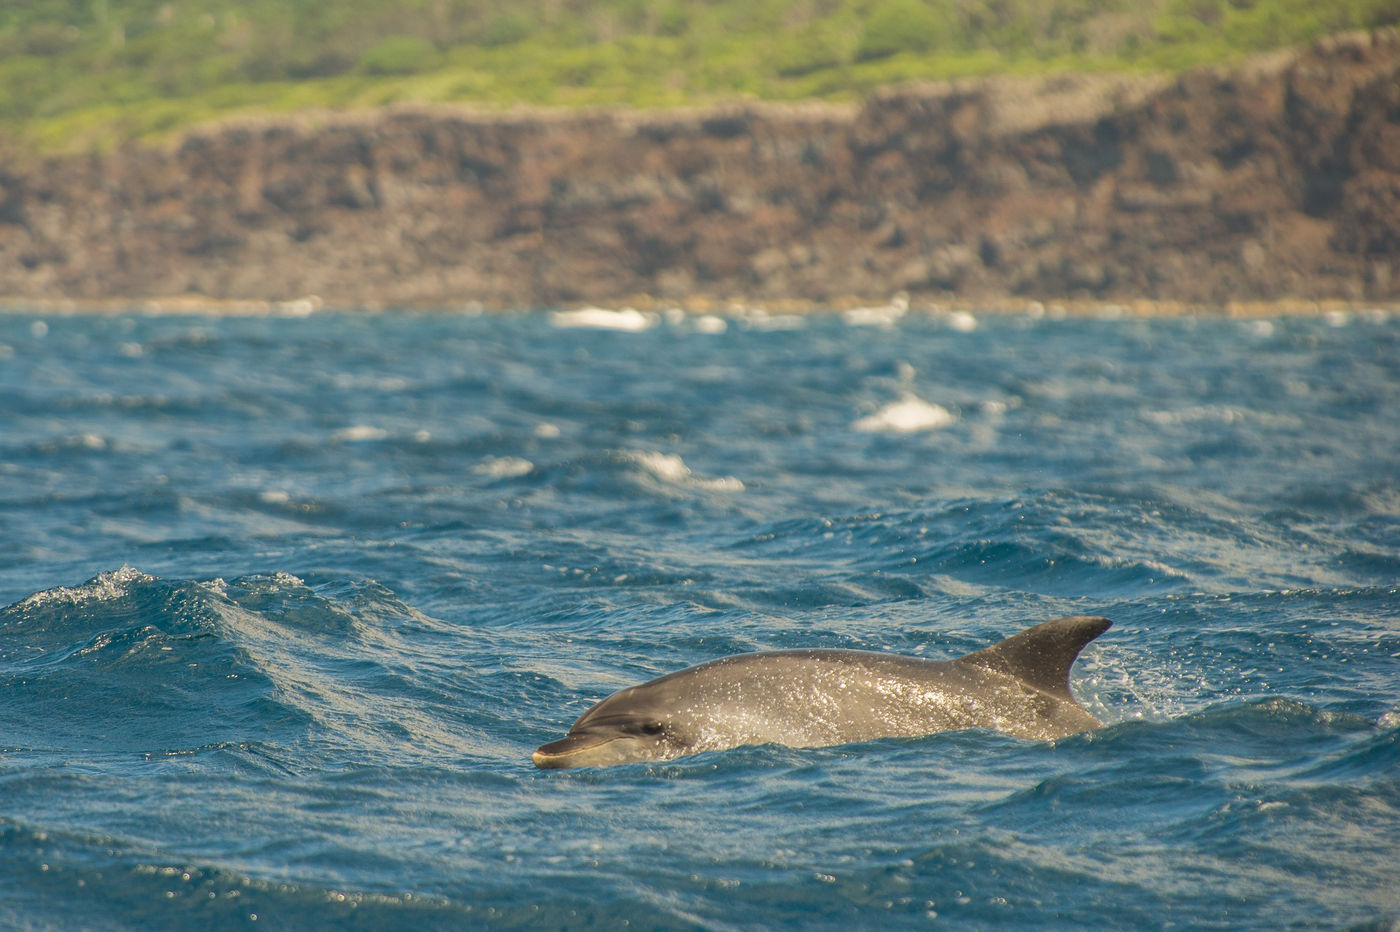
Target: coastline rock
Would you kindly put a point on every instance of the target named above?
(1278, 180)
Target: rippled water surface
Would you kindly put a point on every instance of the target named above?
(290, 601)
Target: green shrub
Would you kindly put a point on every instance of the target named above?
(509, 28)
(49, 39)
(399, 55)
(81, 72)
(906, 26)
(823, 44)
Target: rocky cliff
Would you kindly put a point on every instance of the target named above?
(1277, 180)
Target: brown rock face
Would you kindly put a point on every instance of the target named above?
(1277, 180)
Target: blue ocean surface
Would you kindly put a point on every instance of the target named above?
(290, 600)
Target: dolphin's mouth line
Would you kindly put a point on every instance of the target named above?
(556, 754)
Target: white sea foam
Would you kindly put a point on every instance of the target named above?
(360, 432)
(962, 321)
(503, 467)
(908, 415)
(759, 319)
(299, 307)
(710, 323)
(105, 587)
(882, 315)
(672, 469)
(1222, 414)
(598, 318)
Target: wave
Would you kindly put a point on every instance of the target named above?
(672, 470)
(613, 473)
(628, 320)
(57, 879)
(908, 415)
(126, 663)
(130, 664)
(1046, 541)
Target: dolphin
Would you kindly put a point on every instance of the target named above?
(816, 698)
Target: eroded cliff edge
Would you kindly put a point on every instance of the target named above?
(1274, 181)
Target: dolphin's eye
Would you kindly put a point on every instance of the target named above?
(651, 729)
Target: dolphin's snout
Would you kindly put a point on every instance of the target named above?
(557, 754)
(581, 749)
(546, 761)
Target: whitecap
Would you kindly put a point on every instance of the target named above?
(908, 415)
(758, 319)
(360, 432)
(962, 321)
(102, 588)
(598, 318)
(710, 323)
(299, 307)
(503, 467)
(883, 315)
(669, 467)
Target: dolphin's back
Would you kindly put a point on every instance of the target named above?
(819, 697)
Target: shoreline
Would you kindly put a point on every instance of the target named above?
(700, 306)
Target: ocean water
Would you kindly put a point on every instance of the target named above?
(288, 602)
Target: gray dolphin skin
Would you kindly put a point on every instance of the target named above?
(815, 698)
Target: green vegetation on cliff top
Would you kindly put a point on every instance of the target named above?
(80, 74)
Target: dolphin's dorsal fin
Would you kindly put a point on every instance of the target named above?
(1041, 656)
